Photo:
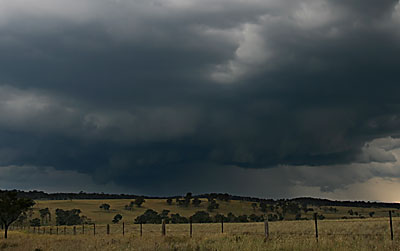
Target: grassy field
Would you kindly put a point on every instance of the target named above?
(362, 234)
(90, 208)
(358, 232)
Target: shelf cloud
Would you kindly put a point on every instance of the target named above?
(166, 96)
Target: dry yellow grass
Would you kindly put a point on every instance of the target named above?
(367, 234)
(90, 208)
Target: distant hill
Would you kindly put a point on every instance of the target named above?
(40, 195)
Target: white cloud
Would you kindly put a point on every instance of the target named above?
(251, 53)
(315, 14)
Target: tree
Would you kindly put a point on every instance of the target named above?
(188, 197)
(22, 219)
(196, 202)
(34, 222)
(169, 201)
(242, 218)
(255, 218)
(254, 206)
(220, 217)
(201, 217)
(164, 214)
(130, 206)
(231, 217)
(105, 206)
(213, 205)
(139, 201)
(176, 218)
(68, 217)
(150, 216)
(263, 206)
(11, 207)
(117, 218)
(45, 215)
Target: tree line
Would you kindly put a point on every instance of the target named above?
(40, 195)
(153, 217)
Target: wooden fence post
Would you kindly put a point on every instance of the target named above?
(141, 230)
(222, 224)
(163, 227)
(191, 228)
(57, 230)
(123, 228)
(316, 225)
(94, 229)
(74, 230)
(83, 228)
(266, 228)
(51, 231)
(108, 228)
(391, 225)
(34, 229)
(65, 230)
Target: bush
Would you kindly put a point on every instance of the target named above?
(213, 205)
(130, 206)
(255, 218)
(105, 206)
(139, 201)
(201, 217)
(220, 217)
(34, 222)
(150, 216)
(176, 219)
(117, 218)
(242, 218)
(68, 217)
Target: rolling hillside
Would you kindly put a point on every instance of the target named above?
(90, 209)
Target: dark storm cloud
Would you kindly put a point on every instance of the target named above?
(147, 93)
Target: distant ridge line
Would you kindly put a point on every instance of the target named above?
(40, 195)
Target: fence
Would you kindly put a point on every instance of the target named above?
(375, 227)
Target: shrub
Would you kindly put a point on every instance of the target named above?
(201, 217)
(117, 218)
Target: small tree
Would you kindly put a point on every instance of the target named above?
(68, 217)
(35, 222)
(130, 206)
(169, 201)
(254, 206)
(196, 202)
(139, 201)
(164, 214)
(263, 206)
(11, 207)
(213, 205)
(45, 215)
(117, 218)
(188, 197)
(105, 206)
(201, 217)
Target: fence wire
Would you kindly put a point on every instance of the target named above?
(365, 228)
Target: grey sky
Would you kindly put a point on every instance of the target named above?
(169, 96)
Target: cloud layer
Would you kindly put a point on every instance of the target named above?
(155, 96)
